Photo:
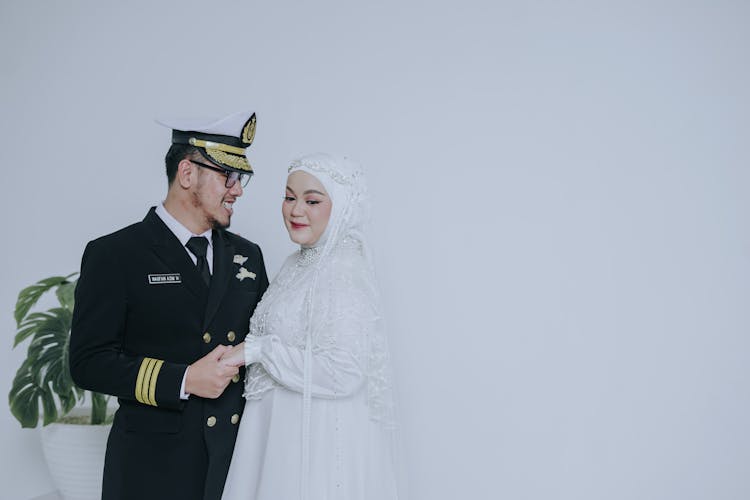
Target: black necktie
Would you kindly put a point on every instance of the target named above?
(198, 246)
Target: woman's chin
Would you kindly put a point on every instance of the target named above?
(299, 239)
(302, 237)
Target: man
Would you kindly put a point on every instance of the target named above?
(157, 304)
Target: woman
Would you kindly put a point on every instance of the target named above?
(319, 413)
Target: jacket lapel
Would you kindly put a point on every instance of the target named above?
(222, 273)
(170, 251)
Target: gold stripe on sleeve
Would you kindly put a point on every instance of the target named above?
(152, 385)
(139, 380)
(147, 381)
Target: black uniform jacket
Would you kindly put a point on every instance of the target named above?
(142, 315)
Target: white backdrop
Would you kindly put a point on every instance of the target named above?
(561, 210)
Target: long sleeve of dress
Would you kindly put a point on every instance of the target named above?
(336, 371)
(343, 318)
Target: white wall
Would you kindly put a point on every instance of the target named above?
(562, 210)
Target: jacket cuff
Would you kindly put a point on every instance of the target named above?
(158, 383)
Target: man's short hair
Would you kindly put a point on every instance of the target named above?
(177, 153)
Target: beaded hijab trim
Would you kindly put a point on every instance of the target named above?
(333, 174)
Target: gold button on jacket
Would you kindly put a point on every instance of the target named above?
(235, 418)
(206, 337)
(236, 378)
(211, 421)
(231, 336)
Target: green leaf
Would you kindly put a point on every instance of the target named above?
(43, 385)
(67, 402)
(66, 379)
(55, 320)
(80, 393)
(26, 411)
(98, 408)
(50, 408)
(66, 295)
(43, 374)
(24, 396)
(31, 294)
(31, 325)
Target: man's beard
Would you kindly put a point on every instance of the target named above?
(212, 222)
(215, 224)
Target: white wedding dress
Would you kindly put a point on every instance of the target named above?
(318, 422)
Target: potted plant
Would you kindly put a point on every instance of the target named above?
(44, 388)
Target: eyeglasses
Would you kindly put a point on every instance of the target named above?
(231, 175)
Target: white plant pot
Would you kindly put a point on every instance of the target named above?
(75, 457)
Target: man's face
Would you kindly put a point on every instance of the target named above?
(212, 200)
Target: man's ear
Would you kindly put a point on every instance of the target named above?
(185, 173)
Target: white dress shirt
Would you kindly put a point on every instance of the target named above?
(183, 234)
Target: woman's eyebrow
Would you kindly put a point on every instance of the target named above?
(312, 191)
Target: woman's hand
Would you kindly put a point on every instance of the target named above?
(234, 356)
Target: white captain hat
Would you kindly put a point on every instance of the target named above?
(223, 142)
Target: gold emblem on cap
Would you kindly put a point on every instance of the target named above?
(248, 131)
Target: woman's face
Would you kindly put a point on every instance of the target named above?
(306, 208)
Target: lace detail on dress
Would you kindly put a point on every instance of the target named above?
(345, 318)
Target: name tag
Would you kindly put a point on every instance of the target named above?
(164, 279)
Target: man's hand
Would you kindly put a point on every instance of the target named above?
(234, 356)
(208, 377)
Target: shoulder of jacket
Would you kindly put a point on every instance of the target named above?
(240, 242)
(116, 238)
